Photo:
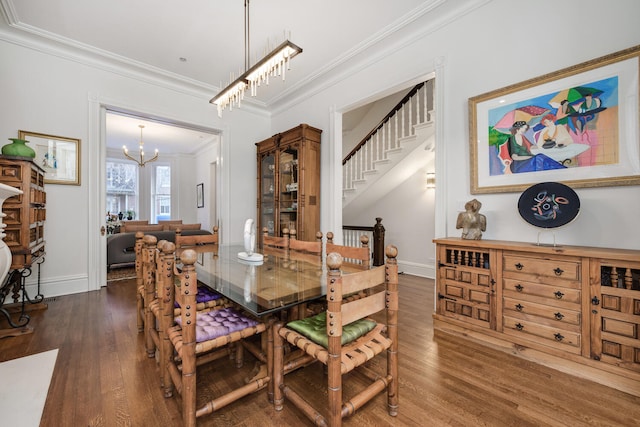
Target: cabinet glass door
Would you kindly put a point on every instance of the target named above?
(267, 193)
(288, 200)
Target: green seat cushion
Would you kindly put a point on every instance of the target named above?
(315, 328)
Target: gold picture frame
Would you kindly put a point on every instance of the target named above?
(592, 109)
(59, 156)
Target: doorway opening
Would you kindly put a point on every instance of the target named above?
(164, 189)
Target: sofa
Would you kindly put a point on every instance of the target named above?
(120, 246)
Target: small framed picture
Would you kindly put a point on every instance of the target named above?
(200, 195)
(59, 157)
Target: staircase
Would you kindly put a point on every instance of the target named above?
(397, 148)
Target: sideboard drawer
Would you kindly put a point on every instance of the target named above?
(551, 267)
(520, 288)
(553, 315)
(569, 341)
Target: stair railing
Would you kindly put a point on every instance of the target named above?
(351, 237)
(414, 109)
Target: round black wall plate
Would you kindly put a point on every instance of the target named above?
(549, 205)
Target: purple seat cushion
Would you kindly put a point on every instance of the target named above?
(217, 323)
(204, 294)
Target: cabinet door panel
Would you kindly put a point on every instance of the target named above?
(466, 286)
(615, 318)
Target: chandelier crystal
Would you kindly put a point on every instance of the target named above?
(272, 65)
(141, 161)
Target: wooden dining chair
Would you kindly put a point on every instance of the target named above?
(164, 257)
(196, 239)
(357, 257)
(275, 242)
(353, 258)
(344, 338)
(311, 252)
(139, 281)
(202, 336)
(303, 247)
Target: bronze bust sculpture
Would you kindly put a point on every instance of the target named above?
(471, 221)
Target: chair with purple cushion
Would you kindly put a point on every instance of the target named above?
(163, 258)
(201, 335)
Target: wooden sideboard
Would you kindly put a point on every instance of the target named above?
(573, 308)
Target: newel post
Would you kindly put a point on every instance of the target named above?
(378, 243)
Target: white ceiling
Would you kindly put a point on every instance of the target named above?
(209, 35)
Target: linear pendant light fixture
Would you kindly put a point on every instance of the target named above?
(142, 161)
(274, 64)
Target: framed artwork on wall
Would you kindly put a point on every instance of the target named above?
(578, 126)
(59, 157)
(200, 195)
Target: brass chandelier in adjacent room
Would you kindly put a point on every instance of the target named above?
(274, 64)
(140, 161)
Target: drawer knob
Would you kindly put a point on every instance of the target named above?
(559, 316)
(519, 326)
(519, 266)
(595, 301)
(519, 307)
(519, 287)
(558, 336)
(558, 271)
(558, 294)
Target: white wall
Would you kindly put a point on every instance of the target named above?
(408, 218)
(495, 45)
(56, 94)
(489, 47)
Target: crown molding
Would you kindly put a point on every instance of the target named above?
(33, 38)
(426, 19)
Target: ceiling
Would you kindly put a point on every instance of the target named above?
(202, 41)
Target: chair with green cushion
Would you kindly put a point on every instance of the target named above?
(345, 338)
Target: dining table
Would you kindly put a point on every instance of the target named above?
(278, 287)
(278, 283)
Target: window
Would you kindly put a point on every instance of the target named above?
(122, 187)
(161, 197)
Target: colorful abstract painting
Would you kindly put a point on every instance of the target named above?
(573, 127)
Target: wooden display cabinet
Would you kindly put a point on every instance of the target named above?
(289, 182)
(574, 308)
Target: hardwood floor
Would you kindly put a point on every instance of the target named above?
(103, 377)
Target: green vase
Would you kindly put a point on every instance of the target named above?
(18, 148)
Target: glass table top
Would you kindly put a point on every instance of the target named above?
(278, 282)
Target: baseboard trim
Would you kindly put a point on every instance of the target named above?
(57, 286)
(416, 269)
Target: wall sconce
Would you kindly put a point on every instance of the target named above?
(431, 180)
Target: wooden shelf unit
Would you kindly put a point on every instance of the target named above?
(289, 182)
(574, 308)
(25, 213)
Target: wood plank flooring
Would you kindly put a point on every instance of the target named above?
(103, 377)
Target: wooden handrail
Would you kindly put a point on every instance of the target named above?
(390, 114)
